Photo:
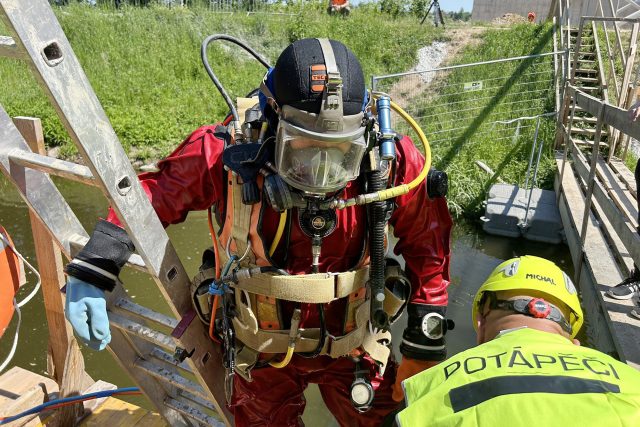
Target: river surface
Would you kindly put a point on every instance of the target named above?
(475, 254)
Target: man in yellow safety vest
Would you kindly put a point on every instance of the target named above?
(529, 367)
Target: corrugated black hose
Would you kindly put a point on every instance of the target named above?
(377, 214)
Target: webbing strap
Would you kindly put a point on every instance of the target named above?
(241, 220)
(277, 341)
(316, 288)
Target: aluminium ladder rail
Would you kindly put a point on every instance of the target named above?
(163, 365)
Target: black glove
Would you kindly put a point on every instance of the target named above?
(100, 261)
(423, 339)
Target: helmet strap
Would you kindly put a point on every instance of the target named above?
(533, 307)
(331, 110)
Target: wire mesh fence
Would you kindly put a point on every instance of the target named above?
(222, 6)
(480, 114)
(461, 104)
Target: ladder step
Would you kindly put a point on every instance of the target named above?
(162, 356)
(196, 399)
(50, 165)
(587, 142)
(148, 314)
(588, 88)
(584, 131)
(586, 71)
(584, 79)
(191, 412)
(170, 376)
(77, 242)
(9, 48)
(592, 120)
(142, 331)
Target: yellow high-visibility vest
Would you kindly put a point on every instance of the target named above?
(524, 378)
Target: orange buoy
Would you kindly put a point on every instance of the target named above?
(11, 278)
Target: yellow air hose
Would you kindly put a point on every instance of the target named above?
(279, 232)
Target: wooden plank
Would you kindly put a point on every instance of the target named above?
(625, 230)
(33, 397)
(18, 382)
(606, 274)
(116, 412)
(618, 192)
(626, 176)
(599, 328)
(50, 263)
(72, 385)
(612, 115)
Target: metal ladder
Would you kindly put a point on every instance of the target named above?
(180, 372)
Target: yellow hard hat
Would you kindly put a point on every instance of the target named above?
(535, 274)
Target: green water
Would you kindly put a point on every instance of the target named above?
(474, 256)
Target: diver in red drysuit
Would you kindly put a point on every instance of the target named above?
(193, 178)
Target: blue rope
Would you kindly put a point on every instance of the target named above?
(44, 406)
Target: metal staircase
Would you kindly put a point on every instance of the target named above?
(171, 358)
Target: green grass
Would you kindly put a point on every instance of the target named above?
(144, 64)
(480, 139)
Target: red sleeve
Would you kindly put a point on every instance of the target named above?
(189, 179)
(423, 228)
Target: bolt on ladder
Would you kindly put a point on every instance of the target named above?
(162, 364)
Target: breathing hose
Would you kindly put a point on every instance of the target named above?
(212, 75)
(399, 190)
(377, 212)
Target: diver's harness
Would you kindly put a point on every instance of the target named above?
(244, 279)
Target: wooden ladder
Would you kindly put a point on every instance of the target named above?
(588, 76)
(179, 371)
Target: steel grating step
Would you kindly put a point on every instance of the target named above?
(164, 357)
(146, 333)
(129, 306)
(170, 376)
(191, 412)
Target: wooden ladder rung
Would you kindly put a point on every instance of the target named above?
(53, 166)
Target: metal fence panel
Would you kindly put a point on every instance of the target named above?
(496, 99)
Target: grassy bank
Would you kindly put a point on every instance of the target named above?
(144, 64)
(509, 90)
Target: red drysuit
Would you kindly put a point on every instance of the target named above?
(193, 178)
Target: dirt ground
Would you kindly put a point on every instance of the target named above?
(460, 38)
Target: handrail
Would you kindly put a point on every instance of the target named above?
(616, 117)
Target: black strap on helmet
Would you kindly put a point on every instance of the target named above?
(532, 307)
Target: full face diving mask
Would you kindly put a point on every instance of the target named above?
(320, 153)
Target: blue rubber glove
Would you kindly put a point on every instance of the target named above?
(86, 310)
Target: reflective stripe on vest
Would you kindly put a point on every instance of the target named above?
(522, 377)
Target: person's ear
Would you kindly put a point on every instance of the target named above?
(481, 328)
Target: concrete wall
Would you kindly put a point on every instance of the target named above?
(487, 10)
